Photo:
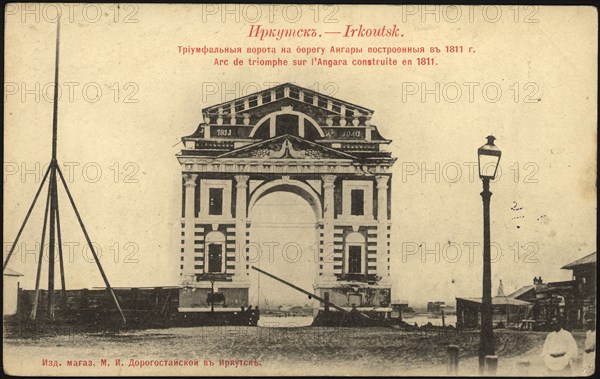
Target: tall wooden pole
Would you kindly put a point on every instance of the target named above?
(52, 231)
(55, 112)
(53, 192)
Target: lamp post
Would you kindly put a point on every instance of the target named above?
(488, 159)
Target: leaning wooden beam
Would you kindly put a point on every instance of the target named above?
(317, 297)
(301, 290)
(40, 260)
(89, 242)
(63, 286)
(37, 194)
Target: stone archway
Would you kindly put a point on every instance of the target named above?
(294, 140)
(283, 240)
(303, 191)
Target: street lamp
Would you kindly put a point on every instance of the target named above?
(488, 159)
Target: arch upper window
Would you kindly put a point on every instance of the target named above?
(287, 122)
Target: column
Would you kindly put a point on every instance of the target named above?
(328, 218)
(241, 272)
(190, 225)
(382, 223)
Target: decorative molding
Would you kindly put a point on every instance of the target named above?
(241, 180)
(190, 180)
(287, 147)
(382, 182)
(328, 181)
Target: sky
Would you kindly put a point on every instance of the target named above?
(128, 95)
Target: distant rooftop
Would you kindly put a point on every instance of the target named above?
(521, 291)
(496, 300)
(588, 259)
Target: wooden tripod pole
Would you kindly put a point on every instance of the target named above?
(52, 213)
(40, 260)
(63, 286)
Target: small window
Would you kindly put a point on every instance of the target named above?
(357, 202)
(355, 299)
(354, 259)
(215, 257)
(215, 205)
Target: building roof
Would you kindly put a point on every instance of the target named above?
(588, 259)
(558, 287)
(496, 300)
(8, 272)
(521, 291)
(199, 133)
(293, 89)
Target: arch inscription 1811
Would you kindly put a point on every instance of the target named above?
(292, 139)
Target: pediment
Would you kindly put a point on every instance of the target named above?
(287, 147)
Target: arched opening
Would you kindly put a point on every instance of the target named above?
(283, 241)
(287, 185)
(287, 122)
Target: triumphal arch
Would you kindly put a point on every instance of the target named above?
(292, 139)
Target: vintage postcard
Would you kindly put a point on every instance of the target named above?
(244, 189)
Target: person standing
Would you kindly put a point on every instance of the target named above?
(589, 348)
(560, 348)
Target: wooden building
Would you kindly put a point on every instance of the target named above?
(584, 292)
(506, 311)
(573, 300)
